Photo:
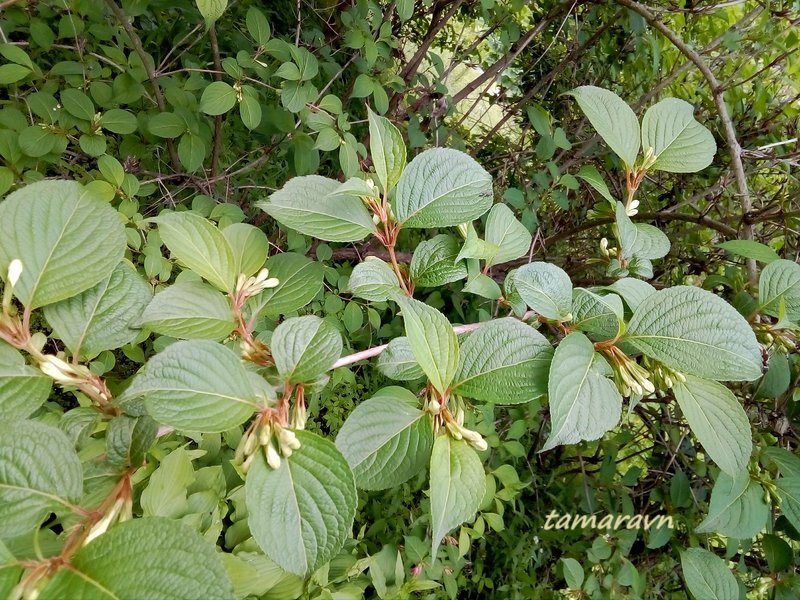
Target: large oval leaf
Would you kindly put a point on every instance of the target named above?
(458, 484)
(434, 262)
(386, 439)
(680, 144)
(697, 333)
(708, 576)
(302, 513)
(597, 315)
(397, 361)
(718, 420)
(299, 282)
(103, 317)
(195, 386)
(505, 362)
(510, 236)
(373, 280)
(23, 389)
(144, 558)
(780, 280)
(546, 288)
(190, 310)
(40, 474)
(304, 348)
(737, 508)
(441, 188)
(67, 239)
(584, 402)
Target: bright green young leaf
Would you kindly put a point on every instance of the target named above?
(304, 348)
(195, 386)
(104, 317)
(639, 240)
(545, 288)
(432, 340)
(503, 362)
(596, 315)
(708, 576)
(780, 279)
(679, 143)
(41, 474)
(612, 118)
(483, 286)
(250, 247)
(386, 439)
(750, 249)
(166, 491)
(302, 513)
(695, 332)
(584, 402)
(211, 10)
(434, 262)
(458, 484)
(718, 420)
(441, 188)
(199, 245)
(23, 390)
(510, 236)
(397, 361)
(475, 247)
(593, 177)
(144, 558)
(388, 150)
(300, 280)
(373, 280)
(737, 508)
(305, 205)
(68, 240)
(789, 493)
(190, 310)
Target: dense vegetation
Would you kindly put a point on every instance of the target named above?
(359, 299)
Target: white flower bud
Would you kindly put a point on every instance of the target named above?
(14, 271)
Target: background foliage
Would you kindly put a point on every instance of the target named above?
(211, 108)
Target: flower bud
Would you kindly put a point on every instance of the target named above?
(272, 456)
(14, 271)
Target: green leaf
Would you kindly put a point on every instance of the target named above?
(23, 390)
(250, 111)
(304, 348)
(458, 484)
(504, 231)
(484, 286)
(737, 508)
(593, 177)
(190, 310)
(41, 474)
(476, 248)
(104, 317)
(250, 247)
(195, 386)
(68, 240)
(680, 144)
(373, 280)
(305, 205)
(434, 262)
(257, 26)
(708, 576)
(504, 362)
(778, 553)
(191, 151)
(573, 573)
(10, 73)
(433, 342)
(695, 332)
(633, 291)
(302, 513)
(211, 10)
(387, 149)
(166, 125)
(15, 54)
(612, 118)
(750, 249)
(595, 314)
(789, 493)
(718, 420)
(397, 361)
(300, 280)
(119, 121)
(144, 558)
(218, 98)
(545, 288)
(440, 188)
(166, 491)
(128, 439)
(386, 440)
(93, 145)
(786, 461)
(584, 402)
(780, 279)
(200, 246)
(639, 240)
(78, 104)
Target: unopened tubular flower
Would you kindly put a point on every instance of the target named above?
(63, 372)
(272, 456)
(14, 271)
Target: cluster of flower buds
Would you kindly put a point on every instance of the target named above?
(120, 511)
(250, 286)
(67, 374)
(272, 439)
(666, 377)
(457, 431)
(631, 378)
(607, 252)
(783, 340)
(632, 209)
(256, 351)
(299, 416)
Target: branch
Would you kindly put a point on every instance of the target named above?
(217, 143)
(719, 100)
(137, 45)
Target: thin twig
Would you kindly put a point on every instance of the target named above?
(216, 144)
